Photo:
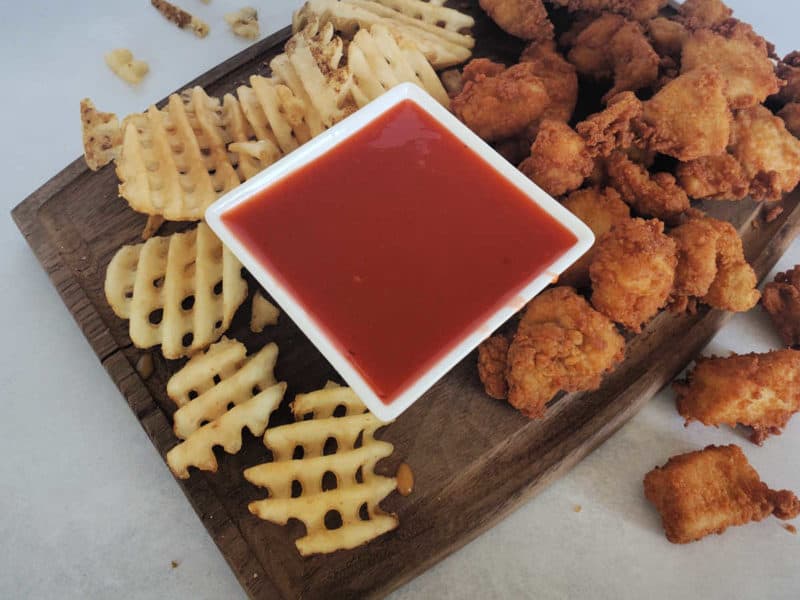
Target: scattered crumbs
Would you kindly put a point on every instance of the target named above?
(755, 224)
(773, 214)
(577, 508)
(175, 564)
(144, 366)
(790, 528)
(255, 575)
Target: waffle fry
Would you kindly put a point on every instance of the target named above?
(226, 431)
(431, 27)
(216, 379)
(262, 313)
(154, 223)
(379, 63)
(102, 136)
(354, 498)
(181, 18)
(180, 291)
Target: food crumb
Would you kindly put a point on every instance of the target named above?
(577, 508)
(773, 214)
(175, 564)
(790, 528)
(144, 366)
(405, 479)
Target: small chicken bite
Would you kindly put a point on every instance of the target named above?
(525, 19)
(734, 287)
(743, 63)
(633, 272)
(760, 391)
(501, 104)
(788, 70)
(492, 359)
(768, 153)
(561, 344)
(559, 161)
(667, 36)
(601, 210)
(611, 128)
(718, 177)
(791, 118)
(704, 14)
(655, 195)
(559, 78)
(705, 492)
(689, 118)
(782, 301)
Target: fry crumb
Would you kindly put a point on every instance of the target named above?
(577, 508)
(790, 528)
(773, 214)
(175, 564)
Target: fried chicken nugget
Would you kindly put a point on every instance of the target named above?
(560, 81)
(611, 128)
(559, 161)
(734, 287)
(768, 153)
(705, 492)
(761, 391)
(788, 70)
(492, 360)
(782, 302)
(656, 195)
(601, 210)
(791, 118)
(525, 19)
(718, 177)
(742, 61)
(561, 344)
(638, 10)
(689, 117)
(633, 272)
(501, 105)
(704, 14)
(667, 36)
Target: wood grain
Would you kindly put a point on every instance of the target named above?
(474, 459)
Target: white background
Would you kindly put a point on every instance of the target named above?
(87, 507)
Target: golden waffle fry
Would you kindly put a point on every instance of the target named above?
(336, 489)
(379, 63)
(226, 431)
(262, 313)
(154, 223)
(180, 291)
(215, 380)
(102, 136)
(433, 28)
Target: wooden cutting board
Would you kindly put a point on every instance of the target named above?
(474, 459)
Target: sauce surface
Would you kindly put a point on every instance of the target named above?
(399, 242)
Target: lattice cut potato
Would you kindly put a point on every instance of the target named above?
(333, 489)
(180, 291)
(433, 28)
(102, 136)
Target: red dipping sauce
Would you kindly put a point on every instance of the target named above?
(399, 242)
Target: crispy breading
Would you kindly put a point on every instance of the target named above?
(656, 195)
(702, 14)
(633, 272)
(761, 391)
(782, 301)
(705, 492)
(525, 19)
(503, 105)
(734, 287)
(689, 118)
(767, 152)
(718, 177)
(743, 63)
(561, 344)
(788, 70)
(559, 161)
(639, 10)
(667, 36)
(560, 81)
(791, 118)
(479, 68)
(697, 257)
(589, 51)
(492, 359)
(601, 210)
(611, 128)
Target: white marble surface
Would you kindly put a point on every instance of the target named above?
(88, 509)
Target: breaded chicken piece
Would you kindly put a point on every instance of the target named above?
(503, 105)
(689, 118)
(744, 64)
(525, 19)
(615, 47)
(492, 360)
(761, 391)
(559, 161)
(704, 14)
(705, 492)
(712, 266)
(480, 68)
(667, 36)
(718, 177)
(656, 195)
(782, 302)
(638, 10)
(768, 153)
(601, 210)
(791, 118)
(633, 272)
(788, 70)
(560, 81)
(561, 344)
(611, 128)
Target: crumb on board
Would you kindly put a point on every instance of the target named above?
(175, 564)
(773, 214)
(577, 508)
(144, 366)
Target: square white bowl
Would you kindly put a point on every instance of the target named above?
(326, 142)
